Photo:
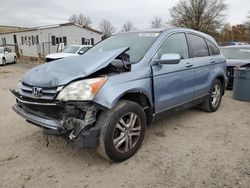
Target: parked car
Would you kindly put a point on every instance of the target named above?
(236, 56)
(7, 56)
(121, 85)
(68, 51)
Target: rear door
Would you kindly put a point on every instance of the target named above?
(204, 64)
(173, 83)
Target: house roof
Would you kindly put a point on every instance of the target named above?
(53, 26)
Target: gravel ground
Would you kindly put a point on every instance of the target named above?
(188, 149)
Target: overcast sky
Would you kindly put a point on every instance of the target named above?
(45, 12)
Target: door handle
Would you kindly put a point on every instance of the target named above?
(212, 61)
(188, 65)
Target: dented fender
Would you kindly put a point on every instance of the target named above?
(116, 86)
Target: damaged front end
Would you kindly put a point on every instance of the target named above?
(74, 120)
(59, 96)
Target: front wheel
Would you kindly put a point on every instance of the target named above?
(213, 101)
(122, 131)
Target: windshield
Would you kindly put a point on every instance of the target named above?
(236, 53)
(138, 44)
(70, 49)
(1, 50)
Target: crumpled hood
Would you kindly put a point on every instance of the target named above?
(237, 62)
(60, 55)
(62, 71)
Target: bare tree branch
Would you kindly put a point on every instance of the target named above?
(80, 19)
(202, 15)
(128, 26)
(156, 22)
(106, 27)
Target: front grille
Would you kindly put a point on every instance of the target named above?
(45, 93)
(54, 112)
(230, 71)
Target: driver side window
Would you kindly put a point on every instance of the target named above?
(175, 44)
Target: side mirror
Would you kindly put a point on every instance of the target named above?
(169, 59)
(81, 52)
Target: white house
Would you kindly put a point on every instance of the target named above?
(40, 41)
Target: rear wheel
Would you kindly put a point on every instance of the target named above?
(122, 131)
(212, 103)
(14, 60)
(4, 61)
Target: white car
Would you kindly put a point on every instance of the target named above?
(72, 50)
(7, 56)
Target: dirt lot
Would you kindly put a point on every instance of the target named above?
(189, 149)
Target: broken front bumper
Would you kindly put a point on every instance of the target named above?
(39, 121)
(59, 119)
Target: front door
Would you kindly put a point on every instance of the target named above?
(173, 83)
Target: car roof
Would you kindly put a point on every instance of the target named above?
(171, 28)
(80, 45)
(237, 46)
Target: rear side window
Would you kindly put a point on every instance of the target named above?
(198, 46)
(212, 48)
(175, 44)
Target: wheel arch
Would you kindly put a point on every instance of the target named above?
(223, 82)
(142, 98)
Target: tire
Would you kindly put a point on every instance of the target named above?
(118, 142)
(14, 60)
(213, 101)
(3, 61)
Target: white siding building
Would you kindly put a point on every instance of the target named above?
(40, 41)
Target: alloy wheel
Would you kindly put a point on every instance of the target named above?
(216, 95)
(127, 132)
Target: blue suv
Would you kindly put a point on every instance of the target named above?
(105, 98)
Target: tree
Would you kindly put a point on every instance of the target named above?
(202, 15)
(247, 24)
(128, 26)
(226, 34)
(80, 19)
(106, 27)
(156, 22)
(73, 18)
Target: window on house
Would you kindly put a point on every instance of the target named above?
(57, 40)
(87, 42)
(37, 39)
(32, 40)
(60, 40)
(83, 40)
(53, 40)
(25, 40)
(22, 40)
(4, 41)
(29, 40)
(65, 40)
(92, 41)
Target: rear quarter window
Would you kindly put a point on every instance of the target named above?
(214, 50)
(197, 45)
